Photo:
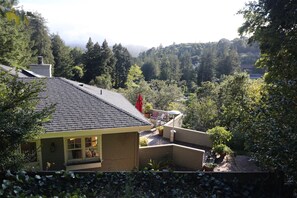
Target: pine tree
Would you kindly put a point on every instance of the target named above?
(63, 61)
(122, 66)
(107, 65)
(40, 38)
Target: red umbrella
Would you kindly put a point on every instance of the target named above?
(139, 102)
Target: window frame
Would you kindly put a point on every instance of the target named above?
(84, 159)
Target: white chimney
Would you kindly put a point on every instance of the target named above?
(41, 69)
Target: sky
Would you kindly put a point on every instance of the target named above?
(146, 23)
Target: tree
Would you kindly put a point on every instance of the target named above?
(273, 138)
(103, 81)
(107, 64)
(76, 55)
(149, 70)
(187, 68)
(91, 59)
(122, 65)
(134, 76)
(14, 42)
(40, 38)
(62, 58)
(164, 94)
(20, 119)
(207, 66)
(9, 12)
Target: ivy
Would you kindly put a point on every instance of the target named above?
(129, 184)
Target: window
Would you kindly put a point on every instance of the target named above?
(82, 148)
(29, 150)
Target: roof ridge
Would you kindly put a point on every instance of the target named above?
(93, 95)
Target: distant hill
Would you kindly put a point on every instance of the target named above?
(248, 54)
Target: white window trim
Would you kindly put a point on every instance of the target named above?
(83, 163)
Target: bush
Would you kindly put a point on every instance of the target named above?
(222, 149)
(160, 129)
(219, 135)
(148, 107)
(143, 141)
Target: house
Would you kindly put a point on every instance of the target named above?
(91, 129)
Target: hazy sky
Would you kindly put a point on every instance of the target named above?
(140, 22)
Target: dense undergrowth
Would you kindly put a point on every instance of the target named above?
(132, 184)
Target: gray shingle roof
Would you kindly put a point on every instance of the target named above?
(82, 107)
(21, 73)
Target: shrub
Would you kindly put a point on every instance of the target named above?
(219, 135)
(160, 129)
(143, 141)
(222, 149)
(148, 107)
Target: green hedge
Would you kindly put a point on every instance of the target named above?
(129, 184)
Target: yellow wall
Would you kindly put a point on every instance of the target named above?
(120, 152)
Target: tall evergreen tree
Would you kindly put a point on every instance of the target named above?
(107, 64)
(186, 67)
(63, 61)
(92, 61)
(122, 65)
(40, 38)
(14, 42)
(206, 68)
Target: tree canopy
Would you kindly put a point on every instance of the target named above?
(273, 137)
(20, 120)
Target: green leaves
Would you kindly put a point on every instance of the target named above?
(132, 184)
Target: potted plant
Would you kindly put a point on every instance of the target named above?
(147, 109)
(160, 130)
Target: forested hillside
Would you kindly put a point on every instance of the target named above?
(195, 63)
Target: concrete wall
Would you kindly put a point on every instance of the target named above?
(185, 157)
(54, 156)
(120, 152)
(157, 153)
(186, 135)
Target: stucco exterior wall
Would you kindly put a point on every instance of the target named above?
(120, 152)
(156, 153)
(186, 135)
(52, 156)
(185, 157)
(188, 158)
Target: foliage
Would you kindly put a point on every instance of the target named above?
(222, 149)
(14, 42)
(229, 104)
(143, 141)
(103, 81)
(272, 138)
(219, 135)
(40, 39)
(77, 72)
(134, 76)
(148, 107)
(63, 62)
(122, 65)
(10, 11)
(164, 94)
(20, 119)
(135, 184)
